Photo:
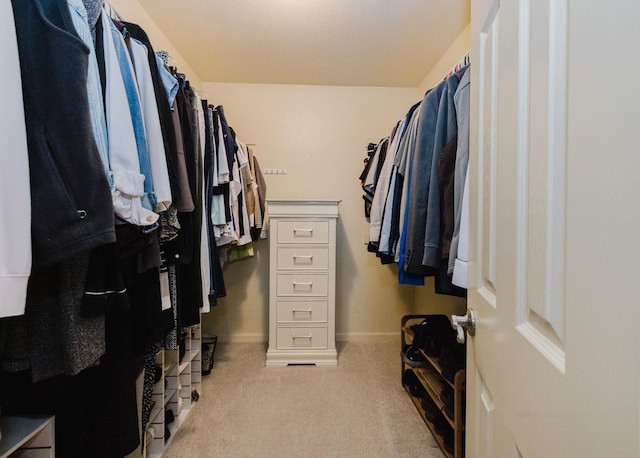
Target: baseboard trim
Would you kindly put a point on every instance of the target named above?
(366, 337)
(282, 358)
(243, 338)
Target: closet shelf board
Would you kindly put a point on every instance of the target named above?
(18, 431)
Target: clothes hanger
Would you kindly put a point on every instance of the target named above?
(463, 62)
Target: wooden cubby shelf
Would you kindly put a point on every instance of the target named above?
(432, 380)
(173, 392)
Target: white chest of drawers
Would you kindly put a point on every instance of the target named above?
(302, 282)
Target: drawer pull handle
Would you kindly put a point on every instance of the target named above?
(306, 257)
(308, 336)
(308, 284)
(302, 310)
(308, 231)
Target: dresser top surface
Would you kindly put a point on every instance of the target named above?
(302, 207)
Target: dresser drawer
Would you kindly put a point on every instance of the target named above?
(294, 284)
(303, 231)
(301, 337)
(302, 310)
(303, 257)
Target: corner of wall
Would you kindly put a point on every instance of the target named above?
(426, 300)
(451, 56)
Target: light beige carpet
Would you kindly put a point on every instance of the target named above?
(358, 409)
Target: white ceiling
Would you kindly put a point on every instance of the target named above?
(317, 42)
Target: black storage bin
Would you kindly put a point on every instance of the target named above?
(208, 348)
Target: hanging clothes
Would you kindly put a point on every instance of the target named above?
(369, 177)
(128, 182)
(132, 92)
(153, 132)
(416, 189)
(396, 207)
(461, 99)
(384, 181)
(163, 102)
(216, 285)
(460, 268)
(419, 191)
(124, 169)
(259, 232)
(446, 129)
(71, 209)
(402, 203)
(185, 249)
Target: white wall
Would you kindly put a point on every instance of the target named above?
(451, 56)
(319, 134)
(132, 11)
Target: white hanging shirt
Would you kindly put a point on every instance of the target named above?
(15, 191)
(460, 268)
(152, 129)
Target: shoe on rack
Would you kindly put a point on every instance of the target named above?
(448, 438)
(411, 381)
(409, 378)
(441, 425)
(447, 398)
(414, 358)
(452, 359)
(419, 333)
(430, 409)
(431, 332)
(157, 373)
(169, 417)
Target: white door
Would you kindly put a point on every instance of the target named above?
(553, 369)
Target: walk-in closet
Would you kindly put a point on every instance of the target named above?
(340, 228)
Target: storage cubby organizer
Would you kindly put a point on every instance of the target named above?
(28, 436)
(175, 390)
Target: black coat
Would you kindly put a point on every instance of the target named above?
(70, 197)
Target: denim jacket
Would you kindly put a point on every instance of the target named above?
(135, 110)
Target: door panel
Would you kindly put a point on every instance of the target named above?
(542, 107)
(553, 369)
(494, 438)
(487, 154)
(486, 411)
